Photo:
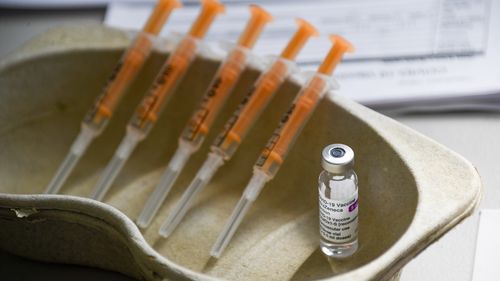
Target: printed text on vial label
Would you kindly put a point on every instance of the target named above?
(338, 219)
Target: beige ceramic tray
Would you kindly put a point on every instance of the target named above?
(412, 189)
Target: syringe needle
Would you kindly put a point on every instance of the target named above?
(251, 192)
(167, 180)
(116, 164)
(77, 149)
(156, 198)
(182, 207)
(203, 177)
(114, 167)
(227, 233)
(62, 173)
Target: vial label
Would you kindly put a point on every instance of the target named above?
(338, 219)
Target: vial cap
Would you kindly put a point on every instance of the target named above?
(337, 158)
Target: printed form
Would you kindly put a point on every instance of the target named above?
(407, 52)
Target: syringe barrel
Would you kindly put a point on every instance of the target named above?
(120, 79)
(216, 96)
(251, 108)
(164, 85)
(291, 124)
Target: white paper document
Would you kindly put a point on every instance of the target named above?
(411, 53)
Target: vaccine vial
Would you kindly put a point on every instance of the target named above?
(338, 202)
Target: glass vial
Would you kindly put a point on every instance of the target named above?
(338, 202)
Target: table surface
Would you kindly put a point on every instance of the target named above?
(474, 135)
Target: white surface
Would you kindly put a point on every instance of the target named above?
(405, 50)
(487, 246)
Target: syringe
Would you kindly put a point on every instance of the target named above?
(240, 123)
(283, 139)
(124, 73)
(159, 94)
(203, 117)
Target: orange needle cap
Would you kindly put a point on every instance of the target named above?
(258, 20)
(210, 8)
(159, 15)
(305, 31)
(340, 46)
